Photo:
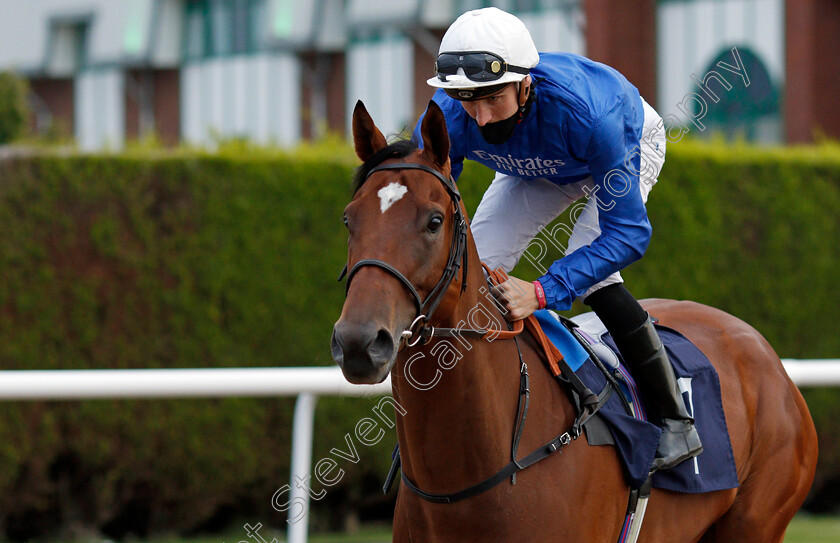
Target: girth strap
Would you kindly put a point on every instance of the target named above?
(510, 469)
(543, 452)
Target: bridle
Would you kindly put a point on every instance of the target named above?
(419, 329)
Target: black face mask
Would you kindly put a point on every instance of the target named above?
(499, 132)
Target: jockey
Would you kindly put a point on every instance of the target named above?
(557, 127)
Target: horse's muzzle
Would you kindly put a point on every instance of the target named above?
(363, 352)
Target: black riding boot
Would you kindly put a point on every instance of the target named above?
(644, 354)
(642, 350)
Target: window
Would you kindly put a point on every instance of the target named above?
(196, 31)
(68, 46)
(751, 111)
(223, 27)
(256, 22)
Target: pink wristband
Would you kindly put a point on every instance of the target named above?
(538, 288)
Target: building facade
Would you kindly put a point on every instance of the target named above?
(279, 71)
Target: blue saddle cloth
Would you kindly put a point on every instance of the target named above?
(635, 438)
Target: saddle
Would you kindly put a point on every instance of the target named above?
(633, 435)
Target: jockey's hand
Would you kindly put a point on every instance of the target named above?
(517, 297)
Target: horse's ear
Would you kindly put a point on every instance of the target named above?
(366, 137)
(435, 136)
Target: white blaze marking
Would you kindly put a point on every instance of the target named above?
(390, 194)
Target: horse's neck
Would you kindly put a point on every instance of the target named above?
(460, 395)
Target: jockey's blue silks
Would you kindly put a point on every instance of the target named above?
(586, 120)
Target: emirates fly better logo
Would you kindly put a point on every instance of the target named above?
(523, 167)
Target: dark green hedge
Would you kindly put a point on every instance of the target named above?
(194, 260)
(14, 111)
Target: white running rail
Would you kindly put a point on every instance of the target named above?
(179, 383)
(305, 383)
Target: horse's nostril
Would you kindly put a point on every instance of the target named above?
(337, 348)
(381, 349)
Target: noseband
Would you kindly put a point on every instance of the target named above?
(458, 257)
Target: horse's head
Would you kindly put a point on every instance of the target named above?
(405, 224)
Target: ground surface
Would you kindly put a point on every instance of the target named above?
(804, 529)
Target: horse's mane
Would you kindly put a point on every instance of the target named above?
(397, 149)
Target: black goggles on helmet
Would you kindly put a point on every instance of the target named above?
(479, 66)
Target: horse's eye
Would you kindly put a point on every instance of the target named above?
(346, 224)
(435, 224)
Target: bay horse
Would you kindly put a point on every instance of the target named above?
(410, 251)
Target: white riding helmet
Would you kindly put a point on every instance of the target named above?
(482, 48)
